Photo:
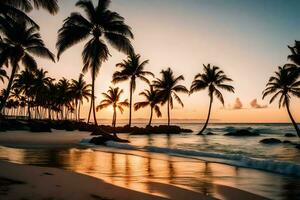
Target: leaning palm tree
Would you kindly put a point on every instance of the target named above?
(284, 84)
(20, 43)
(295, 50)
(168, 88)
(151, 99)
(213, 79)
(112, 98)
(80, 90)
(131, 69)
(99, 26)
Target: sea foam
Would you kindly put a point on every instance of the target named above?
(240, 160)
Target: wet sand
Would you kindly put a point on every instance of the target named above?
(31, 182)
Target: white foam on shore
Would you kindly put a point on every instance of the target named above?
(275, 166)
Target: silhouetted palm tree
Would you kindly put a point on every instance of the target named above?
(101, 24)
(3, 74)
(283, 85)
(168, 88)
(80, 90)
(212, 79)
(295, 50)
(131, 69)
(65, 97)
(17, 9)
(151, 99)
(20, 42)
(113, 98)
(24, 82)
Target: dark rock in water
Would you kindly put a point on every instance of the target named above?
(270, 141)
(39, 127)
(210, 133)
(242, 132)
(289, 135)
(100, 140)
(287, 142)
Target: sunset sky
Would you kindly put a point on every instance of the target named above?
(246, 38)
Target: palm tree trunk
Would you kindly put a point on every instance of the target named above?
(76, 110)
(151, 114)
(93, 97)
(28, 108)
(168, 111)
(208, 116)
(79, 111)
(90, 111)
(114, 122)
(292, 119)
(8, 88)
(130, 102)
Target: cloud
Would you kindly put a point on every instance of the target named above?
(255, 104)
(238, 104)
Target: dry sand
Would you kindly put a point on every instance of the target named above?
(57, 138)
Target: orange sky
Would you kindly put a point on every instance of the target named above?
(245, 39)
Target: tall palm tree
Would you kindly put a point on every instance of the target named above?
(80, 90)
(99, 26)
(131, 69)
(283, 85)
(64, 93)
(18, 46)
(151, 99)
(40, 88)
(168, 87)
(213, 79)
(295, 50)
(24, 82)
(113, 98)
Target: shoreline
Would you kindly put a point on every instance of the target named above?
(33, 182)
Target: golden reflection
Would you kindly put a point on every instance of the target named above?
(142, 172)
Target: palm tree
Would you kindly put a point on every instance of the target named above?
(151, 99)
(80, 90)
(213, 79)
(16, 9)
(295, 50)
(99, 26)
(112, 98)
(284, 84)
(3, 74)
(24, 82)
(64, 93)
(18, 46)
(131, 69)
(168, 88)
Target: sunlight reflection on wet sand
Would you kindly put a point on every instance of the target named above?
(138, 171)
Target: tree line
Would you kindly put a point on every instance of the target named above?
(31, 92)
